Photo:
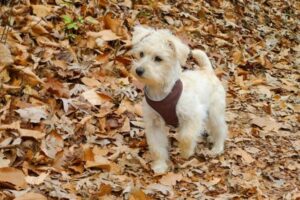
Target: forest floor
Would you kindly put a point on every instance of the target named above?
(70, 111)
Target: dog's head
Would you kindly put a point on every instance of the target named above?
(158, 55)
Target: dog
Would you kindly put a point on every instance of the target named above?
(200, 97)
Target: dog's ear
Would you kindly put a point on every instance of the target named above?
(139, 32)
(181, 50)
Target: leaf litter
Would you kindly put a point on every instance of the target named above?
(70, 111)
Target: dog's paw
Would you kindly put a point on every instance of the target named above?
(217, 150)
(186, 153)
(160, 167)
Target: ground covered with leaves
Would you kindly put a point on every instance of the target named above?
(70, 112)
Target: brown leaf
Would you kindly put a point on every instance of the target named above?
(31, 133)
(246, 157)
(41, 10)
(52, 144)
(31, 196)
(266, 123)
(5, 55)
(90, 82)
(12, 178)
(96, 99)
(105, 189)
(100, 162)
(114, 24)
(138, 194)
(33, 114)
(14, 126)
(56, 87)
(170, 179)
(29, 72)
(106, 35)
(36, 180)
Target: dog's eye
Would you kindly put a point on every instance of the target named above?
(141, 54)
(157, 59)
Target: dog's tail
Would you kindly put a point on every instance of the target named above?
(202, 59)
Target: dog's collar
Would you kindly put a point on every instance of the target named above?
(167, 107)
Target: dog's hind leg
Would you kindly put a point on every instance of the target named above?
(217, 127)
(189, 132)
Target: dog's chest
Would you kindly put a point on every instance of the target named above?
(166, 108)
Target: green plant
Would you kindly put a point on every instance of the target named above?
(72, 24)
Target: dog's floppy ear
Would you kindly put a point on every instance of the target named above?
(139, 32)
(181, 50)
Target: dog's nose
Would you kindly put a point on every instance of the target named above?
(139, 71)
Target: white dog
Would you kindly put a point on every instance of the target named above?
(201, 104)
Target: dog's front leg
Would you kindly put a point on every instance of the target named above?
(157, 140)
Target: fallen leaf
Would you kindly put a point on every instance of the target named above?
(14, 126)
(155, 187)
(94, 98)
(266, 123)
(36, 180)
(105, 189)
(214, 181)
(33, 114)
(29, 72)
(246, 157)
(52, 144)
(31, 196)
(12, 178)
(106, 35)
(138, 194)
(31, 133)
(99, 162)
(90, 82)
(170, 179)
(41, 10)
(114, 24)
(5, 55)
(4, 162)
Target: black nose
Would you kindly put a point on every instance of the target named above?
(139, 71)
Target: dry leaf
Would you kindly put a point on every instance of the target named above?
(4, 162)
(31, 133)
(5, 55)
(28, 71)
(14, 125)
(266, 123)
(93, 97)
(31, 196)
(170, 179)
(155, 187)
(99, 162)
(138, 194)
(36, 180)
(105, 35)
(33, 114)
(12, 178)
(52, 144)
(41, 10)
(90, 82)
(246, 157)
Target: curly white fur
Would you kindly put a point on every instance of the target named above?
(201, 105)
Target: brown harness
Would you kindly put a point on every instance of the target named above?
(167, 107)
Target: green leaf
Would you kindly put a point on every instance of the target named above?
(72, 25)
(80, 19)
(67, 19)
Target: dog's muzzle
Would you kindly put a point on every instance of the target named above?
(139, 71)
